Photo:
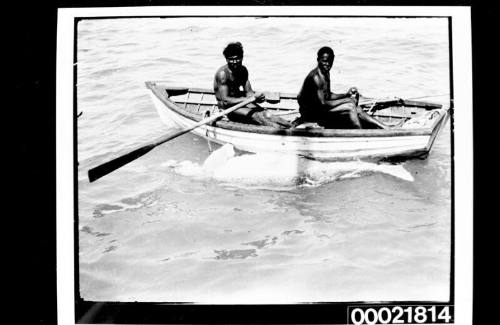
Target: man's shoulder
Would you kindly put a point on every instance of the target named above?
(222, 72)
(221, 69)
(313, 75)
(313, 72)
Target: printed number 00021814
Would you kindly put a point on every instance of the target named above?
(390, 314)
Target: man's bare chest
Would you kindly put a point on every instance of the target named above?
(236, 83)
(325, 88)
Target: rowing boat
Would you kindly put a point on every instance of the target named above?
(417, 123)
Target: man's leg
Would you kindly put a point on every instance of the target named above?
(262, 117)
(254, 114)
(265, 118)
(369, 119)
(355, 113)
(348, 109)
(277, 119)
(242, 115)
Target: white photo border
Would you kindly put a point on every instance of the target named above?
(462, 181)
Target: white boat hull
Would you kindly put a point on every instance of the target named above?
(322, 148)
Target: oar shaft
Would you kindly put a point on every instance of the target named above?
(205, 121)
(106, 168)
(431, 96)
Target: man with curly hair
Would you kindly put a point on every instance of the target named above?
(317, 103)
(232, 86)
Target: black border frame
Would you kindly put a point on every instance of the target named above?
(175, 312)
(32, 46)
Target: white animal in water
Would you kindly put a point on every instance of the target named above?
(280, 169)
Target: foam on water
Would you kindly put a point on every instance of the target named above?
(278, 169)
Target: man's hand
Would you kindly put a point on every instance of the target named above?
(353, 91)
(354, 95)
(260, 97)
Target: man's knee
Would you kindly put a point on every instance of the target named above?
(266, 114)
(348, 107)
(351, 107)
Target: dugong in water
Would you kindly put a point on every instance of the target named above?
(218, 158)
(282, 169)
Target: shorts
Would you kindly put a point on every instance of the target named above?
(245, 119)
(329, 120)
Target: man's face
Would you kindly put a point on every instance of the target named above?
(234, 62)
(325, 62)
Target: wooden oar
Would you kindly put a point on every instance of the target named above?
(363, 101)
(106, 168)
(372, 101)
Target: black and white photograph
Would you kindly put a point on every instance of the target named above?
(265, 156)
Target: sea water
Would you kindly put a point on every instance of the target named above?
(171, 226)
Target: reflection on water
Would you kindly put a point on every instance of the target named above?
(172, 226)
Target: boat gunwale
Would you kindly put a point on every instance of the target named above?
(369, 101)
(234, 126)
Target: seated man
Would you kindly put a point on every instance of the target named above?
(318, 104)
(232, 86)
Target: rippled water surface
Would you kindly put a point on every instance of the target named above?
(156, 231)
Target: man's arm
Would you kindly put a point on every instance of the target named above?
(335, 100)
(353, 91)
(248, 88)
(249, 92)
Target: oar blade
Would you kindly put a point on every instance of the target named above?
(112, 165)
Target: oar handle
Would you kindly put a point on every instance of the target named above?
(106, 168)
